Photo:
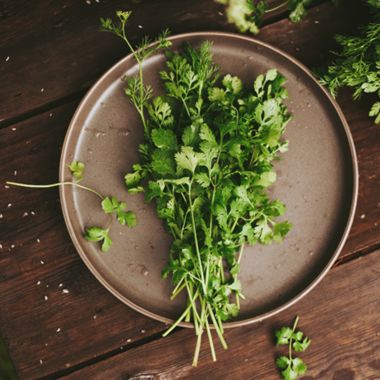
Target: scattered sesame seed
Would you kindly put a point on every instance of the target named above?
(220, 13)
(316, 22)
(139, 26)
(46, 344)
(33, 213)
(50, 114)
(9, 205)
(60, 285)
(14, 129)
(65, 291)
(129, 340)
(145, 273)
(25, 214)
(7, 59)
(143, 331)
(94, 316)
(1, 216)
(6, 187)
(362, 216)
(42, 262)
(38, 240)
(97, 1)
(298, 49)
(88, 2)
(58, 329)
(47, 285)
(15, 172)
(375, 224)
(46, 298)
(38, 282)
(121, 347)
(1, 246)
(67, 365)
(12, 246)
(42, 89)
(41, 362)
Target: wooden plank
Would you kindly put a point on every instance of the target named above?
(37, 255)
(341, 316)
(56, 50)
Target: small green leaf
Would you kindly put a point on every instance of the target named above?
(299, 366)
(98, 234)
(77, 170)
(283, 335)
(127, 218)
(282, 362)
(164, 138)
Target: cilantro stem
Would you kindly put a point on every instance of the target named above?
(196, 241)
(240, 253)
(291, 337)
(183, 315)
(217, 329)
(277, 7)
(31, 186)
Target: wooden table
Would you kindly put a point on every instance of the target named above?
(51, 53)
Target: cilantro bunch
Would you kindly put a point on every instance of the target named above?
(357, 65)
(206, 162)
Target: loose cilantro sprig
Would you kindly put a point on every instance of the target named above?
(206, 161)
(291, 367)
(248, 15)
(357, 65)
(109, 205)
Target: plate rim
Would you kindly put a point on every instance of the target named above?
(283, 306)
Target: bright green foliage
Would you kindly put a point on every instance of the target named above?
(358, 63)
(98, 234)
(111, 205)
(206, 161)
(291, 368)
(77, 170)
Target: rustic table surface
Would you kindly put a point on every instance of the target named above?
(51, 52)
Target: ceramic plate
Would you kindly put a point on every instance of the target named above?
(317, 180)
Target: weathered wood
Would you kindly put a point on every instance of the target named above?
(37, 255)
(56, 50)
(341, 316)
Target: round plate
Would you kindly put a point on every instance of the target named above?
(317, 180)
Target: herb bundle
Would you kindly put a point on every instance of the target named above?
(206, 161)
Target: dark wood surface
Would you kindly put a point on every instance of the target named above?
(56, 46)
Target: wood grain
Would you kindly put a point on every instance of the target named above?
(55, 50)
(341, 316)
(37, 255)
(41, 51)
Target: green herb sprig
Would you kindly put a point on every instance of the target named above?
(109, 205)
(206, 161)
(291, 367)
(357, 64)
(248, 15)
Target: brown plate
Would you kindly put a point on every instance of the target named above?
(317, 180)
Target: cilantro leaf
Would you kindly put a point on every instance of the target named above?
(164, 138)
(98, 234)
(77, 170)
